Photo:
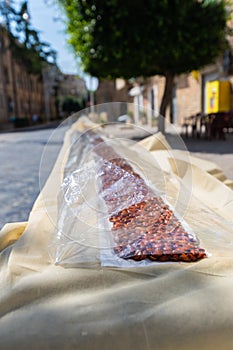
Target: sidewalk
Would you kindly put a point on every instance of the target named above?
(50, 125)
(217, 151)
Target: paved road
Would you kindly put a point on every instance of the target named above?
(20, 157)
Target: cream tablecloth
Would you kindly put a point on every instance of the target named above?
(161, 306)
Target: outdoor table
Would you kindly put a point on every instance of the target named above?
(162, 305)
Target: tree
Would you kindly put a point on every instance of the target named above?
(8, 13)
(29, 36)
(118, 38)
(72, 104)
(24, 39)
(25, 46)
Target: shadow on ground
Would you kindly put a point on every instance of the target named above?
(201, 145)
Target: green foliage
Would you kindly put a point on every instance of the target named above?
(72, 104)
(124, 38)
(130, 39)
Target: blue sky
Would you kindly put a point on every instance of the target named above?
(43, 18)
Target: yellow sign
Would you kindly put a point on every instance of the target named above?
(218, 95)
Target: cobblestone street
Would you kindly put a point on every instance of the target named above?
(20, 156)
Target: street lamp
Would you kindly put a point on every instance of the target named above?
(25, 16)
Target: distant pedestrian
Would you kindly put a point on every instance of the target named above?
(34, 119)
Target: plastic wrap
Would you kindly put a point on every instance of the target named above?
(110, 214)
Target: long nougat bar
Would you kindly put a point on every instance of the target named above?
(147, 228)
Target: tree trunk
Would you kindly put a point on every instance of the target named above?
(166, 99)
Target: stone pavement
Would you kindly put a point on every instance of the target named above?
(22, 173)
(217, 151)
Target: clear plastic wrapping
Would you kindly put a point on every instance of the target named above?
(110, 214)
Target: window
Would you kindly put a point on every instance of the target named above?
(1, 101)
(10, 104)
(6, 75)
(19, 80)
(26, 85)
(2, 43)
(31, 85)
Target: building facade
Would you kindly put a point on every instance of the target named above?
(22, 94)
(72, 85)
(190, 95)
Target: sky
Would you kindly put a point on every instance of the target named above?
(45, 18)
